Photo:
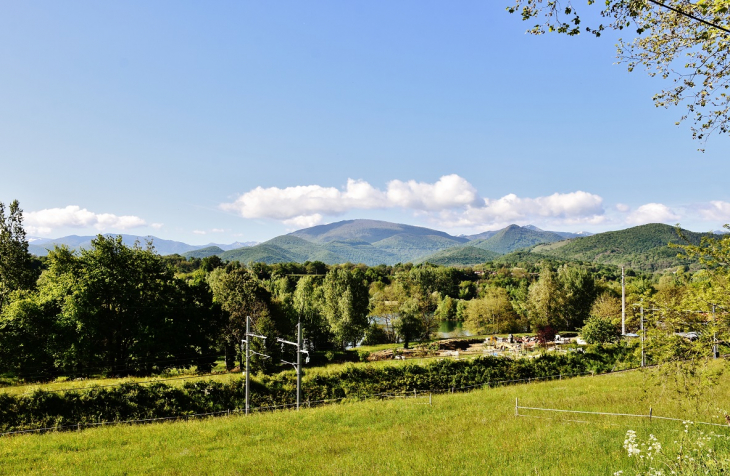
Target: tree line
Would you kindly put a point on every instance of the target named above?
(115, 309)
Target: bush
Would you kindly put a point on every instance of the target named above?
(599, 330)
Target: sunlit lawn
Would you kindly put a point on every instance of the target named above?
(471, 433)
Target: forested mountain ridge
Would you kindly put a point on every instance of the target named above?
(515, 237)
(373, 242)
(642, 247)
(459, 256)
(370, 231)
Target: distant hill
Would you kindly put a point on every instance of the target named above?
(642, 247)
(483, 235)
(563, 234)
(374, 242)
(40, 246)
(204, 252)
(461, 256)
(369, 231)
(514, 238)
(282, 249)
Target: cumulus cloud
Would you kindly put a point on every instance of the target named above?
(451, 191)
(716, 210)
(622, 207)
(451, 201)
(156, 226)
(44, 221)
(652, 213)
(309, 203)
(570, 208)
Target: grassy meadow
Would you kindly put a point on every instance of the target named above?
(470, 433)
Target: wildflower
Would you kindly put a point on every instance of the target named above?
(630, 444)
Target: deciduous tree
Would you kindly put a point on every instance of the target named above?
(685, 42)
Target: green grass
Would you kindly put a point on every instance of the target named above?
(473, 433)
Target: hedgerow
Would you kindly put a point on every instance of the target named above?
(131, 401)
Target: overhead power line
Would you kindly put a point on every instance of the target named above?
(689, 15)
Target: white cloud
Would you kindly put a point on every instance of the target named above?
(451, 201)
(622, 207)
(157, 226)
(717, 211)
(569, 208)
(44, 221)
(451, 191)
(306, 202)
(304, 221)
(217, 230)
(199, 232)
(38, 230)
(652, 213)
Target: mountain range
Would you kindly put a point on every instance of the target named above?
(374, 242)
(40, 246)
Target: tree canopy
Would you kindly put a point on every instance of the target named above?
(684, 42)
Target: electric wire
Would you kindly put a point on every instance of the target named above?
(689, 15)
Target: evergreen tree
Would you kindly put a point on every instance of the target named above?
(16, 270)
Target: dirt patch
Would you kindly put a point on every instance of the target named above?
(390, 354)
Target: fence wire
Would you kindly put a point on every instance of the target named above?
(650, 416)
(306, 404)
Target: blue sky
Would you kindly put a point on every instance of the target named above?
(239, 121)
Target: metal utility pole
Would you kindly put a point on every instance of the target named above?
(643, 359)
(623, 303)
(715, 349)
(248, 329)
(298, 364)
(248, 352)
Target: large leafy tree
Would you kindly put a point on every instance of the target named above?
(16, 269)
(545, 300)
(579, 292)
(492, 313)
(308, 299)
(113, 309)
(345, 305)
(682, 41)
(241, 294)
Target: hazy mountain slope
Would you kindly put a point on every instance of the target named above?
(459, 256)
(514, 238)
(483, 235)
(407, 247)
(642, 247)
(204, 252)
(360, 252)
(261, 253)
(369, 231)
(74, 242)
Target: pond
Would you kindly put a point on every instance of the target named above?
(451, 329)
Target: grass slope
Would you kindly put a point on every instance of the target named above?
(642, 247)
(473, 433)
